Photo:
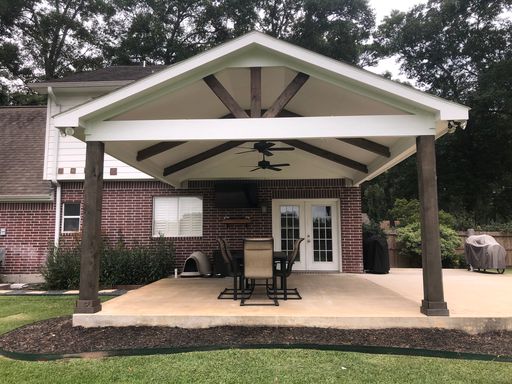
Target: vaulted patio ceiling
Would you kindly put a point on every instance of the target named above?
(188, 121)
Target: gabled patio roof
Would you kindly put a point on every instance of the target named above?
(344, 122)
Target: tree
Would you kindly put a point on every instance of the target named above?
(164, 32)
(461, 50)
(47, 39)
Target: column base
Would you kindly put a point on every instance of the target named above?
(87, 306)
(434, 308)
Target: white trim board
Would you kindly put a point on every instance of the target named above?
(256, 129)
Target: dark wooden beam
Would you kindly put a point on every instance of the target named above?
(156, 149)
(201, 157)
(225, 97)
(433, 303)
(256, 92)
(284, 98)
(88, 301)
(283, 113)
(327, 155)
(368, 145)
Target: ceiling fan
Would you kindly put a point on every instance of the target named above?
(265, 164)
(265, 147)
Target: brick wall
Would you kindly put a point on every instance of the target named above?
(351, 230)
(30, 228)
(127, 213)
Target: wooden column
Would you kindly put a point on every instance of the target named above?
(433, 303)
(88, 301)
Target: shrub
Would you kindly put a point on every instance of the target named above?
(496, 227)
(372, 229)
(409, 244)
(62, 268)
(119, 264)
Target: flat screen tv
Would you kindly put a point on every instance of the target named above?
(236, 195)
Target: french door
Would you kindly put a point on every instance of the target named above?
(314, 220)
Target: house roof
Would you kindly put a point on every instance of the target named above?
(113, 73)
(258, 49)
(22, 137)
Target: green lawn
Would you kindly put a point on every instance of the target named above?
(231, 366)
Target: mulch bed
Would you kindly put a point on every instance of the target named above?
(59, 336)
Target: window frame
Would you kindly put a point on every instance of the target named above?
(178, 198)
(64, 216)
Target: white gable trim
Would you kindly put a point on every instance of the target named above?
(206, 62)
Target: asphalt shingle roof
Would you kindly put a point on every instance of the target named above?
(22, 141)
(114, 73)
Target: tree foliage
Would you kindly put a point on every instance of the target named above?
(460, 50)
(50, 38)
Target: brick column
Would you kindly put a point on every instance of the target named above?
(351, 230)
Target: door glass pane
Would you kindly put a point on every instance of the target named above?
(289, 227)
(322, 233)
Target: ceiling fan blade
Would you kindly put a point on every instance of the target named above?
(239, 153)
(279, 165)
(267, 152)
(282, 149)
(255, 169)
(274, 168)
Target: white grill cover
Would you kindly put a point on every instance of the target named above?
(484, 252)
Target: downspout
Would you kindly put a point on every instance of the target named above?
(54, 181)
(58, 205)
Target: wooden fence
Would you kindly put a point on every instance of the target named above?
(396, 261)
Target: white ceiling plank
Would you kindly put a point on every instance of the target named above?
(259, 129)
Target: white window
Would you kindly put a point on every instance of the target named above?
(70, 217)
(177, 216)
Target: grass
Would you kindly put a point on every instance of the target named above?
(231, 366)
(16, 311)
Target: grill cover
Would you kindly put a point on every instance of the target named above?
(484, 252)
(375, 255)
(196, 265)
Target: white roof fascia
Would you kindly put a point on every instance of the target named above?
(447, 110)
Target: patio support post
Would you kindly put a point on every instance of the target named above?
(433, 303)
(88, 301)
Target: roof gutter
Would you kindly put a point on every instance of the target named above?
(43, 87)
(26, 198)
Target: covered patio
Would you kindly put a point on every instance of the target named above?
(347, 301)
(185, 125)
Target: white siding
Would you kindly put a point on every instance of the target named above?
(68, 152)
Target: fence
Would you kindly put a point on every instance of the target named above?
(397, 261)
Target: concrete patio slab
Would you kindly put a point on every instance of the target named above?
(329, 300)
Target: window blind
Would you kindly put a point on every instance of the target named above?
(177, 216)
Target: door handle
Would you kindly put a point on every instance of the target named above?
(308, 240)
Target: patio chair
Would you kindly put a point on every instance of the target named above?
(259, 265)
(234, 271)
(285, 292)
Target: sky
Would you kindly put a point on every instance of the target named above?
(383, 8)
